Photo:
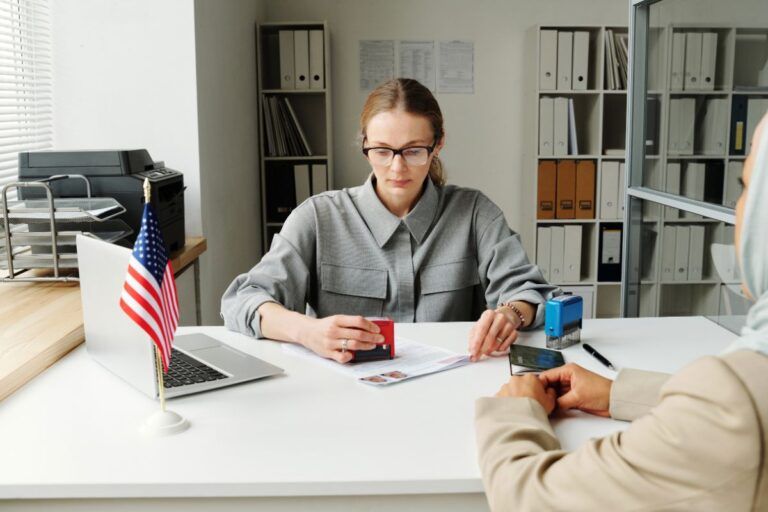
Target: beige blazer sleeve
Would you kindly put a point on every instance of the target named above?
(694, 451)
(634, 393)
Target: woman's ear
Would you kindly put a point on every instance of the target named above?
(440, 144)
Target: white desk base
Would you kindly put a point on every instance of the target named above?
(310, 438)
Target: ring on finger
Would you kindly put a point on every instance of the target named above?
(344, 344)
(499, 340)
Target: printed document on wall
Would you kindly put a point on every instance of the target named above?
(456, 71)
(377, 63)
(417, 60)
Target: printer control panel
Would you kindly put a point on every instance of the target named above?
(157, 174)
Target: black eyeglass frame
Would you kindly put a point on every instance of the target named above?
(396, 152)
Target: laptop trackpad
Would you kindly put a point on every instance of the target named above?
(191, 342)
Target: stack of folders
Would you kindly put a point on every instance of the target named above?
(563, 60)
(284, 134)
(566, 189)
(557, 127)
(682, 253)
(558, 253)
(616, 59)
(612, 193)
(694, 61)
(289, 189)
(302, 59)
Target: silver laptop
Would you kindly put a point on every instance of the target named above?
(198, 363)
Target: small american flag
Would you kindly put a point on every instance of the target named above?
(149, 293)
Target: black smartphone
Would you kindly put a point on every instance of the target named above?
(533, 358)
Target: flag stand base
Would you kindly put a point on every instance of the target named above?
(164, 423)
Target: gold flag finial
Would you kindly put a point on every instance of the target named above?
(146, 190)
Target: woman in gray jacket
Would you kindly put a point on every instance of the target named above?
(698, 439)
(404, 245)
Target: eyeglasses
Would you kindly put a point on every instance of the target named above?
(413, 155)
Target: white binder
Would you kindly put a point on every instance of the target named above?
(564, 60)
(677, 76)
(756, 108)
(609, 190)
(556, 254)
(548, 60)
(319, 178)
(668, 254)
(546, 126)
(715, 127)
(708, 60)
(732, 185)
(587, 295)
(561, 127)
(301, 182)
(621, 192)
(572, 254)
(682, 242)
(673, 187)
(686, 125)
(316, 60)
(543, 251)
(285, 40)
(580, 69)
(673, 138)
(693, 180)
(301, 59)
(696, 254)
(692, 60)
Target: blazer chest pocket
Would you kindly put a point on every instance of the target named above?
(351, 290)
(449, 277)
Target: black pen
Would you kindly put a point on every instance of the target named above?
(597, 355)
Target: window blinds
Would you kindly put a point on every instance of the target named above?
(26, 96)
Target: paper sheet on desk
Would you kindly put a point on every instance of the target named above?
(413, 360)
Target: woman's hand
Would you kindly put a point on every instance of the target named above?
(529, 386)
(577, 388)
(495, 331)
(335, 337)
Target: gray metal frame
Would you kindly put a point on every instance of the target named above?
(636, 193)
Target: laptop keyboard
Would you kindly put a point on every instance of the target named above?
(185, 370)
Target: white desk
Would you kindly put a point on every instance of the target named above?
(313, 435)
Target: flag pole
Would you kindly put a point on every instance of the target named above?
(158, 359)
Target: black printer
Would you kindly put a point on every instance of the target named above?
(118, 174)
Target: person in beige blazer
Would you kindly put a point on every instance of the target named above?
(698, 438)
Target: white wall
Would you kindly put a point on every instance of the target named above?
(228, 127)
(124, 77)
(130, 74)
(490, 135)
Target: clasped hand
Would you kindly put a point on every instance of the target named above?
(566, 387)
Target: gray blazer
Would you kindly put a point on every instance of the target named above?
(343, 252)
(698, 442)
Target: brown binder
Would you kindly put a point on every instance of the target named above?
(585, 189)
(566, 189)
(547, 185)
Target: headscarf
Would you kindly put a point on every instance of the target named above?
(753, 249)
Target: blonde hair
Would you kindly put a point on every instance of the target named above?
(414, 98)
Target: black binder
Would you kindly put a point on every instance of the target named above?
(609, 252)
(738, 125)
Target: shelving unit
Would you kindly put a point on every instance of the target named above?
(735, 74)
(312, 107)
(600, 115)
